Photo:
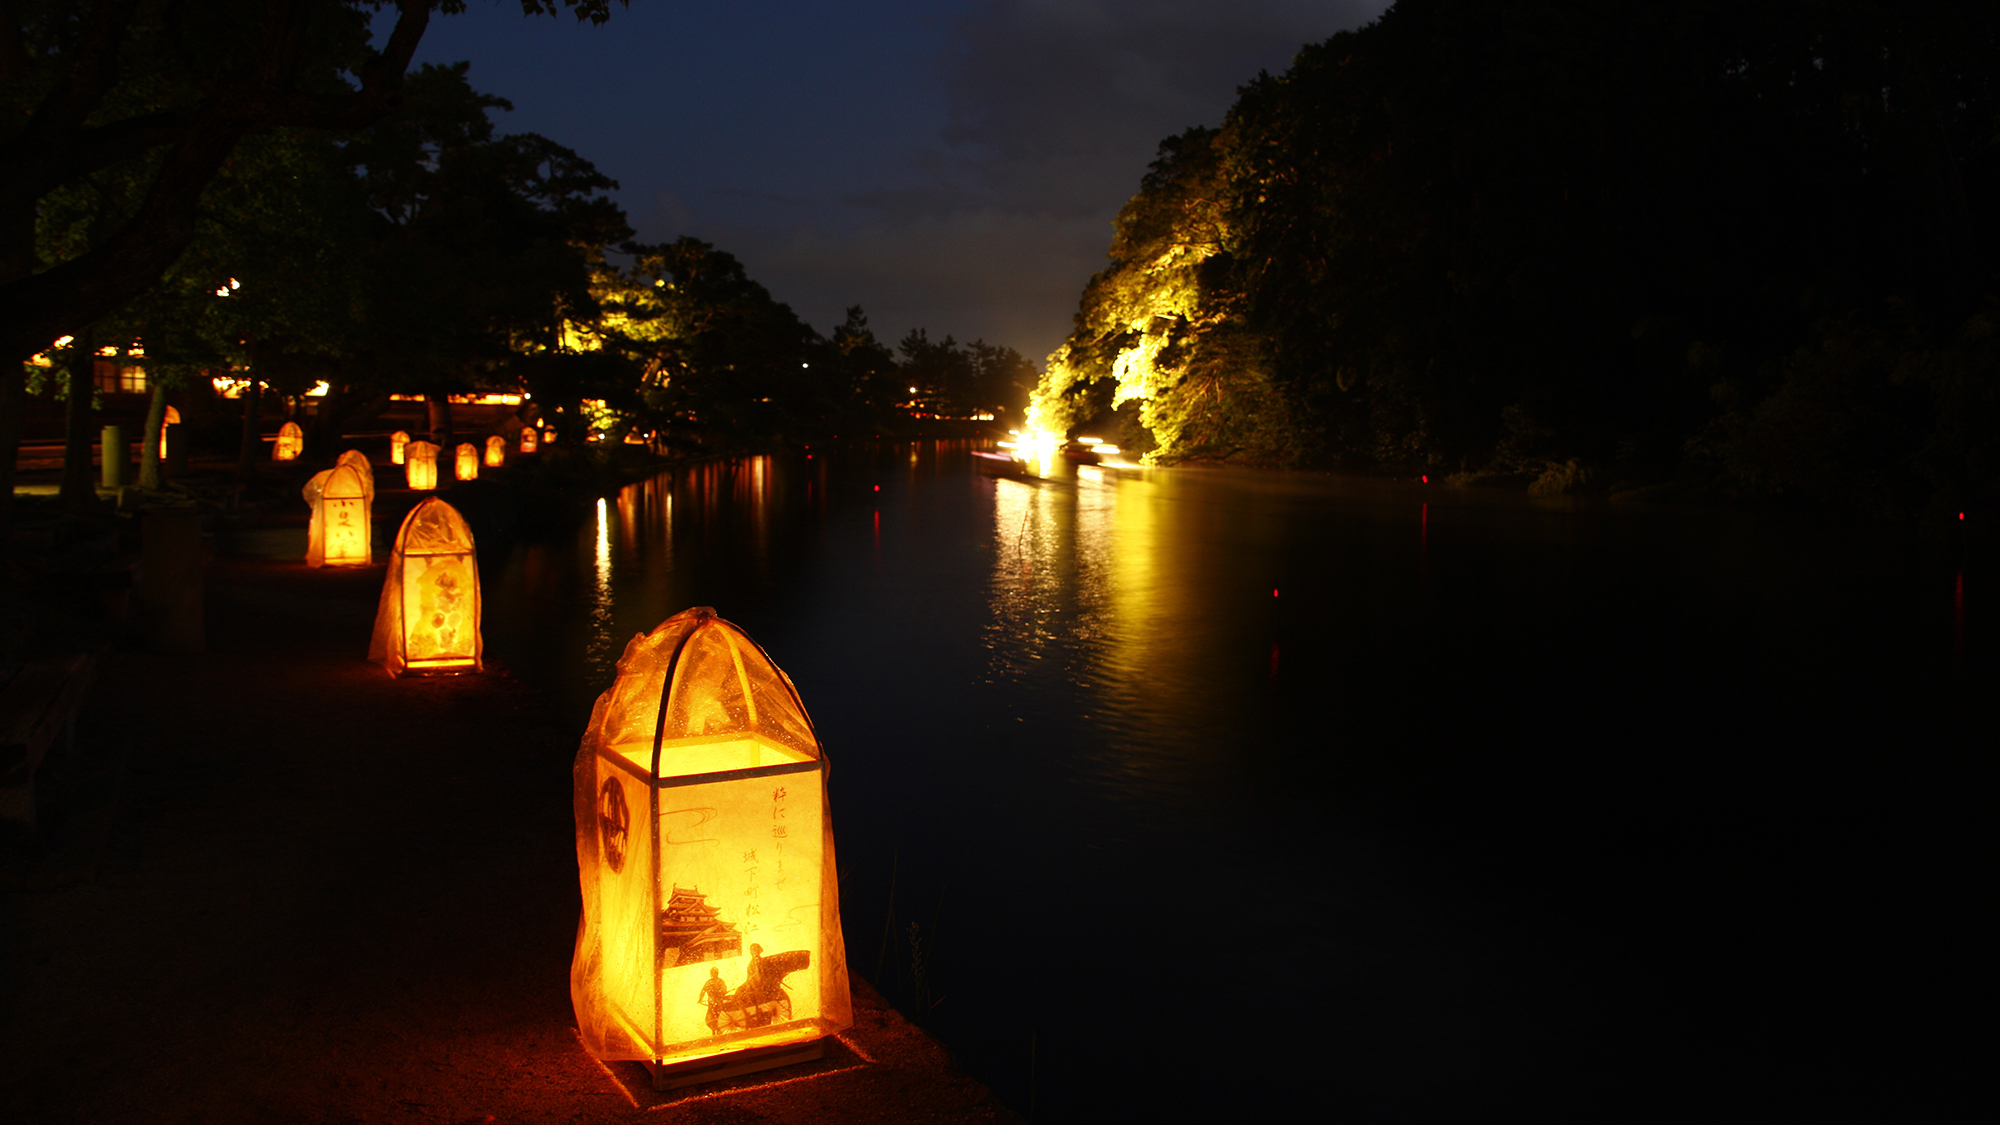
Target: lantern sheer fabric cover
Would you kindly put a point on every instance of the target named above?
(420, 465)
(291, 442)
(711, 910)
(428, 618)
(342, 500)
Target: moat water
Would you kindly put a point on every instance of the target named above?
(1197, 790)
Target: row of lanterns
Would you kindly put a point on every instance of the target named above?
(710, 944)
(291, 443)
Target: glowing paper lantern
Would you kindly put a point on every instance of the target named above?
(496, 451)
(173, 418)
(291, 442)
(420, 465)
(342, 500)
(528, 437)
(397, 441)
(710, 943)
(428, 618)
(466, 463)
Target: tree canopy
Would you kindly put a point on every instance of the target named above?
(1565, 241)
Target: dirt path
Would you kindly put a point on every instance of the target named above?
(319, 894)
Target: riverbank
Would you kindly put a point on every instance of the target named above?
(272, 884)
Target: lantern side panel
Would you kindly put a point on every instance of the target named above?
(614, 976)
(440, 610)
(751, 849)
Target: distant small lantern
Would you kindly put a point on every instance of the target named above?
(397, 441)
(342, 500)
(291, 442)
(466, 463)
(528, 439)
(420, 466)
(710, 943)
(428, 619)
(496, 451)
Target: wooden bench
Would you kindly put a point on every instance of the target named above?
(39, 699)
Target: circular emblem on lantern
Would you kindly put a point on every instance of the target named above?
(612, 822)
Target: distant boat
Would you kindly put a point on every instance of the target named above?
(691, 930)
(1002, 465)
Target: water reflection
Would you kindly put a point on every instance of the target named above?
(599, 648)
(1455, 786)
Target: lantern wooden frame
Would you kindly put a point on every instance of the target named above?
(420, 466)
(703, 839)
(427, 622)
(465, 461)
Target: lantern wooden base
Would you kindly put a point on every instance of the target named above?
(673, 1076)
(452, 666)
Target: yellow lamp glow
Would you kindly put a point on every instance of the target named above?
(291, 442)
(342, 500)
(466, 463)
(528, 439)
(428, 618)
(397, 441)
(172, 418)
(496, 451)
(710, 943)
(420, 465)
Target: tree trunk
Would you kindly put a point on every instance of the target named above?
(79, 491)
(253, 444)
(149, 439)
(440, 412)
(13, 404)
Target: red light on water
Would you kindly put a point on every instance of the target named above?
(1274, 593)
(1961, 517)
(878, 488)
(1425, 478)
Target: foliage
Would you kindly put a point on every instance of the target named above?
(1542, 239)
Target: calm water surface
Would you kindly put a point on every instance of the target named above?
(1177, 790)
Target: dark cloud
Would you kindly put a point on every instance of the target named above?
(1053, 110)
(950, 165)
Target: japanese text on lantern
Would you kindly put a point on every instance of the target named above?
(778, 833)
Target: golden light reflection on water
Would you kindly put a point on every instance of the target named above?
(1055, 551)
(599, 647)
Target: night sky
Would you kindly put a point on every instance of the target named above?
(949, 164)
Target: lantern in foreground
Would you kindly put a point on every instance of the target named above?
(342, 499)
(397, 441)
(710, 943)
(428, 618)
(528, 437)
(291, 442)
(420, 465)
(496, 451)
(466, 463)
